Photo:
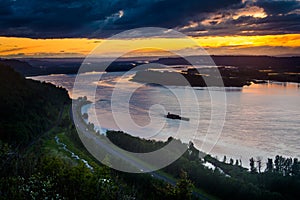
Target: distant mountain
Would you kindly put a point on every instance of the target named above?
(291, 63)
(45, 66)
(20, 66)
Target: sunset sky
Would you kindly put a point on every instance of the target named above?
(72, 28)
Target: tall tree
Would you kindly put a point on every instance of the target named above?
(237, 162)
(184, 187)
(224, 159)
(252, 165)
(259, 164)
(270, 166)
(295, 167)
(193, 152)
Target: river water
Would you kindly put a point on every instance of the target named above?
(262, 120)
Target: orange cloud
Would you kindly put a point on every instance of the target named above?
(25, 47)
(35, 47)
(286, 40)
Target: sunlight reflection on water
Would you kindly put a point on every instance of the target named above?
(261, 120)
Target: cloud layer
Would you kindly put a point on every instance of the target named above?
(102, 18)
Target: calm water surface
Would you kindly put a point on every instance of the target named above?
(262, 120)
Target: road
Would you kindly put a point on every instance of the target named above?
(82, 127)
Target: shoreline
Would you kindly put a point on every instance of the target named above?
(210, 160)
(202, 155)
(220, 155)
(217, 153)
(85, 107)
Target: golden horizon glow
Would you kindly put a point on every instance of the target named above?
(287, 40)
(75, 47)
(34, 47)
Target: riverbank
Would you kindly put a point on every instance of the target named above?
(257, 116)
(285, 69)
(224, 176)
(47, 171)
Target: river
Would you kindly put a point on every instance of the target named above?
(262, 120)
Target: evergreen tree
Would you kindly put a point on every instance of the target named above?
(259, 164)
(237, 162)
(224, 159)
(270, 166)
(295, 167)
(252, 166)
(193, 152)
(184, 187)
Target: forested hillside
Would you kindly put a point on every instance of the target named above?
(42, 157)
(27, 107)
(38, 144)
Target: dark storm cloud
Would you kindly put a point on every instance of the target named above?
(96, 18)
(171, 13)
(283, 16)
(275, 7)
(280, 17)
(34, 18)
(102, 18)
(5, 8)
(288, 24)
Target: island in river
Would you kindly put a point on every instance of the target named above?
(42, 157)
(236, 71)
(189, 78)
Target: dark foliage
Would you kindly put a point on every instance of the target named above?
(227, 181)
(28, 108)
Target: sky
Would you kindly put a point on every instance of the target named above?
(71, 28)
